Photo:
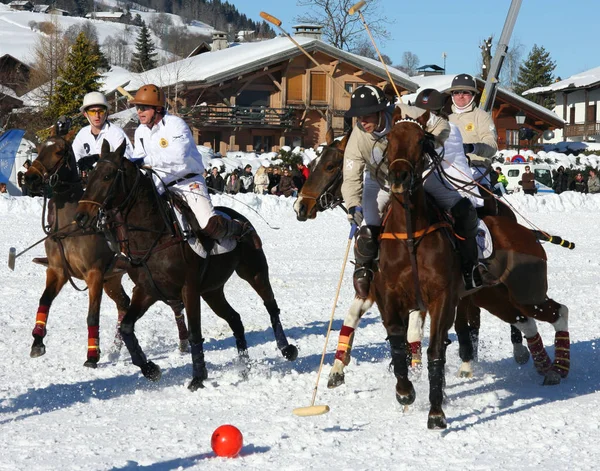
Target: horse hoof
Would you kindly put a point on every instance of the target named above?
(290, 352)
(335, 380)
(195, 384)
(406, 399)
(552, 378)
(184, 346)
(151, 371)
(91, 362)
(520, 353)
(437, 422)
(37, 351)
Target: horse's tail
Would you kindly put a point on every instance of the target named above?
(553, 239)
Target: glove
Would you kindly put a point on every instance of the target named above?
(355, 215)
(87, 163)
(469, 148)
(63, 125)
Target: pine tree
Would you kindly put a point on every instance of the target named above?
(78, 76)
(536, 71)
(143, 58)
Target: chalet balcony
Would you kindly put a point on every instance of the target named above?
(575, 130)
(242, 116)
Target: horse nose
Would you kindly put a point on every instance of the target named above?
(300, 211)
(81, 219)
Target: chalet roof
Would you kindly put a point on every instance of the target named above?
(217, 66)
(444, 82)
(588, 79)
(430, 66)
(105, 14)
(20, 3)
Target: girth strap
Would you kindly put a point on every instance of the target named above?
(417, 234)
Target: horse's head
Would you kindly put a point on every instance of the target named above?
(109, 184)
(321, 190)
(54, 166)
(405, 151)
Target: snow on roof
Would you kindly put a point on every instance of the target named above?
(581, 80)
(9, 92)
(443, 82)
(219, 65)
(105, 14)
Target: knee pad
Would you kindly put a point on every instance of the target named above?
(465, 218)
(366, 246)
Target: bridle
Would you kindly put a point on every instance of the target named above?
(50, 177)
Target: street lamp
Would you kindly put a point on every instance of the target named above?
(520, 118)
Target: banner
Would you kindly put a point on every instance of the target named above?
(9, 145)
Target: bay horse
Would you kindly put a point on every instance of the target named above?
(164, 266)
(73, 253)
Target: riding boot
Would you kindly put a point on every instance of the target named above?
(465, 226)
(220, 227)
(366, 249)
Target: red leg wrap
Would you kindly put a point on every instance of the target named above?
(541, 360)
(415, 351)
(93, 342)
(562, 354)
(345, 345)
(40, 321)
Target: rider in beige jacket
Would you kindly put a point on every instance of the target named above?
(476, 126)
(365, 178)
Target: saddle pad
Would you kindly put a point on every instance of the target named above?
(220, 247)
(485, 245)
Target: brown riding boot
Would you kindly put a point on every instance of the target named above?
(220, 227)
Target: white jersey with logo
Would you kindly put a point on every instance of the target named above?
(86, 143)
(169, 148)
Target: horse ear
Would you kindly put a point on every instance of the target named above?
(329, 137)
(121, 148)
(105, 148)
(344, 142)
(397, 115)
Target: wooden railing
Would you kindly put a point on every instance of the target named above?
(574, 130)
(242, 116)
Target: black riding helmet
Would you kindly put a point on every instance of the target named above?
(431, 99)
(463, 82)
(367, 99)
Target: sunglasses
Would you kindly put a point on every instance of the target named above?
(96, 112)
(462, 92)
(144, 107)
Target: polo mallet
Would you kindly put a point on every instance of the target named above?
(277, 22)
(356, 9)
(311, 410)
(12, 252)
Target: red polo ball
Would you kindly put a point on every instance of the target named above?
(227, 441)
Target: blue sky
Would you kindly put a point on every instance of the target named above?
(566, 29)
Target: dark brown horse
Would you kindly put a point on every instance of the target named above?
(73, 253)
(163, 265)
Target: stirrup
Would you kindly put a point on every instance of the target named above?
(472, 279)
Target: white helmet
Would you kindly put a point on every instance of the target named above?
(93, 99)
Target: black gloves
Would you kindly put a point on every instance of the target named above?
(87, 163)
(469, 148)
(355, 215)
(63, 125)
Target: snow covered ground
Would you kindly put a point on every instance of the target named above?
(56, 414)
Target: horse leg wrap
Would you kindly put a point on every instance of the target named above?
(93, 350)
(465, 345)
(198, 364)
(474, 334)
(416, 355)
(399, 355)
(274, 311)
(40, 321)
(436, 381)
(345, 345)
(541, 360)
(562, 353)
(138, 358)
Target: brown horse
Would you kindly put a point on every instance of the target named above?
(163, 265)
(73, 253)
(322, 191)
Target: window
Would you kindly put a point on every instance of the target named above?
(253, 98)
(572, 115)
(513, 172)
(295, 87)
(318, 87)
(543, 176)
(512, 138)
(349, 86)
(591, 113)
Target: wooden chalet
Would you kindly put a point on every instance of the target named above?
(14, 73)
(267, 94)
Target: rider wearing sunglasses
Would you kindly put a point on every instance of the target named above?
(166, 144)
(476, 126)
(88, 142)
